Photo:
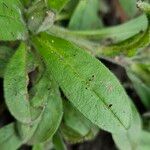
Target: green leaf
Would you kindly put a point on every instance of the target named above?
(15, 86)
(51, 117)
(74, 137)
(146, 121)
(129, 7)
(38, 147)
(39, 18)
(42, 103)
(26, 2)
(76, 128)
(56, 5)
(142, 89)
(145, 141)
(58, 142)
(115, 34)
(138, 71)
(8, 138)
(75, 120)
(11, 21)
(86, 82)
(85, 16)
(5, 54)
(48, 145)
(130, 139)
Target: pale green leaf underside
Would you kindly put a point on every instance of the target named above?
(47, 106)
(15, 86)
(86, 82)
(12, 26)
(75, 120)
(51, 116)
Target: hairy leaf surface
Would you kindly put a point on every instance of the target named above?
(86, 16)
(86, 82)
(9, 138)
(15, 86)
(51, 117)
(12, 26)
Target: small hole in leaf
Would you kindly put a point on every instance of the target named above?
(110, 105)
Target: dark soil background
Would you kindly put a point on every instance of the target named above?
(103, 140)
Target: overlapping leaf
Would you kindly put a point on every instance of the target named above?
(9, 138)
(85, 16)
(75, 127)
(131, 138)
(51, 117)
(58, 142)
(15, 86)
(142, 89)
(86, 82)
(12, 26)
(47, 106)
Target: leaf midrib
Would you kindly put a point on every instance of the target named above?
(91, 89)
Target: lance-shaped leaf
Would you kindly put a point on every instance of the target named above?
(51, 117)
(5, 54)
(15, 86)
(86, 82)
(86, 16)
(38, 102)
(11, 21)
(9, 138)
